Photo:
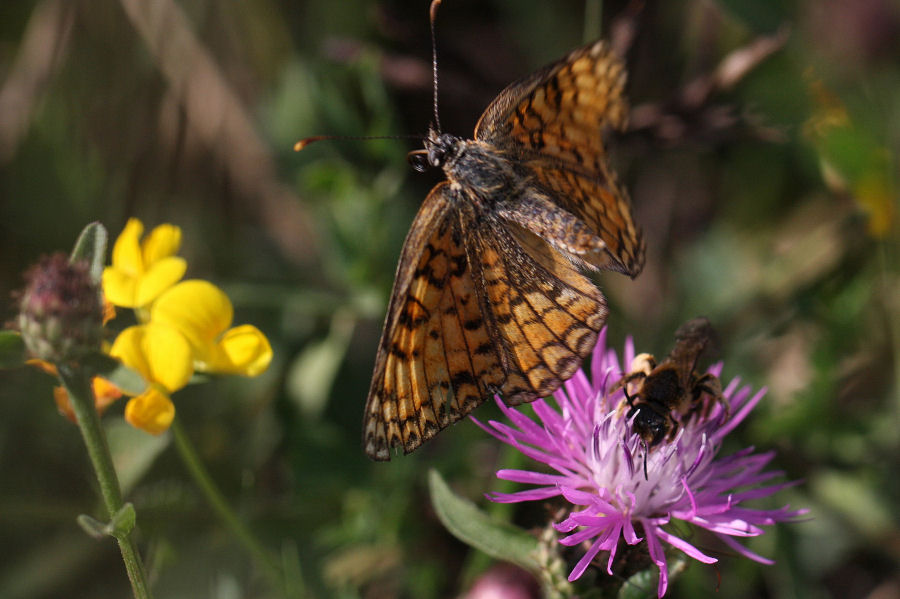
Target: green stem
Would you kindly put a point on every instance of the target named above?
(81, 396)
(264, 560)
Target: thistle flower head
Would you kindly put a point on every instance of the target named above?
(589, 442)
(60, 312)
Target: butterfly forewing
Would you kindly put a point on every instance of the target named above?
(554, 120)
(436, 359)
(561, 109)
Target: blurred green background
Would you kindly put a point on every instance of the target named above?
(769, 206)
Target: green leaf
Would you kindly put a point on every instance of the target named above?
(127, 380)
(643, 584)
(91, 247)
(121, 525)
(12, 349)
(313, 373)
(92, 526)
(123, 521)
(473, 526)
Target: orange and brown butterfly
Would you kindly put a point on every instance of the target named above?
(489, 296)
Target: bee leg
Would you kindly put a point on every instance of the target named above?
(646, 451)
(627, 380)
(712, 386)
(673, 430)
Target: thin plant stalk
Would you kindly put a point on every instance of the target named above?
(81, 395)
(264, 560)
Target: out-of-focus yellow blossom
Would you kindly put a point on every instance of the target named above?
(878, 199)
(829, 112)
(163, 357)
(142, 271)
(202, 313)
(851, 159)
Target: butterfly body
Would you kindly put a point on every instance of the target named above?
(489, 297)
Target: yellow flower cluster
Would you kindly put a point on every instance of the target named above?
(183, 326)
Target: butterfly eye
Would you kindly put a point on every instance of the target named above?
(436, 156)
(418, 160)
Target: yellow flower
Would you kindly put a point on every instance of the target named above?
(202, 313)
(163, 357)
(141, 271)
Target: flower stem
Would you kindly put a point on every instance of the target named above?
(264, 560)
(81, 396)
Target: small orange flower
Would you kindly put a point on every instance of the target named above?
(105, 393)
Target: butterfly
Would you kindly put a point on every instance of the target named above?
(489, 295)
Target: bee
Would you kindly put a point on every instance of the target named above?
(670, 393)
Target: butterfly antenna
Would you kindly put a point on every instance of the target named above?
(432, 13)
(308, 140)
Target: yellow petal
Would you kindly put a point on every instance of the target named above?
(126, 254)
(119, 287)
(199, 309)
(158, 352)
(151, 411)
(158, 278)
(242, 350)
(162, 242)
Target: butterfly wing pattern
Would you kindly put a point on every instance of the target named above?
(489, 297)
(553, 119)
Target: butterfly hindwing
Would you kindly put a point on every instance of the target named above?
(600, 203)
(547, 313)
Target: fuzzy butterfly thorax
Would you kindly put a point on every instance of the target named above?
(470, 165)
(489, 296)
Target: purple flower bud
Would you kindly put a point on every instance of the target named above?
(60, 312)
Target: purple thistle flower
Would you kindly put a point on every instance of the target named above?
(587, 439)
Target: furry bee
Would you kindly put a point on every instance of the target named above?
(669, 393)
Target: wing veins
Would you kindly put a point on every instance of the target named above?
(551, 275)
(537, 315)
(465, 339)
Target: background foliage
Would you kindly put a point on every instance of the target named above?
(780, 226)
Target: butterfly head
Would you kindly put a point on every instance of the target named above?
(441, 150)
